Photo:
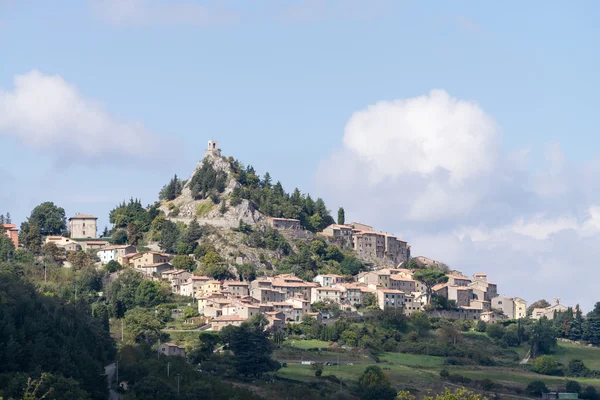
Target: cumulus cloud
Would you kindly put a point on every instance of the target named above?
(160, 12)
(45, 111)
(432, 167)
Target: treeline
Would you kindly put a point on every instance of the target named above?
(272, 199)
(41, 334)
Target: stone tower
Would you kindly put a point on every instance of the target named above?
(213, 148)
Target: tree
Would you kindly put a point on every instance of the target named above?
(481, 326)
(351, 265)
(49, 218)
(113, 266)
(169, 237)
(251, 347)
(105, 232)
(8, 220)
(184, 262)
(318, 368)
(133, 234)
(149, 294)
(119, 237)
(590, 393)
(32, 240)
(420, 321)
(171, 190)
(456, 394)
(591, 326)
(546, 365)
(7, 248)
(495, 331)
(142, 326)
(536, 388)
(573, 387)
(374, 385)
(194, 231)
(577, 368)
(430, 277)
(246, 272)
(341, 219)
(52, 253)
(537, 304)
(542, 338)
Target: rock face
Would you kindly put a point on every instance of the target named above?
(205, 211)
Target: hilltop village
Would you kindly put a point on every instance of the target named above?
(388, 278)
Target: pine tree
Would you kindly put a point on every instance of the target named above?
(8, 219)
(577, 325)
(2, 220)
(341, 220)
(266, 183)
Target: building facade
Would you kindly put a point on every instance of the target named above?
(83, 226)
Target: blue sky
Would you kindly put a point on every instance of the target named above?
(278, 83)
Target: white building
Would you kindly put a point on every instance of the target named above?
(328, 279)
(112, 253)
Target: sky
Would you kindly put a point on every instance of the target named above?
(467, 128)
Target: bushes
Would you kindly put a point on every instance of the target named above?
(536, 388)
(547, 365)
(495, 331)
(577, 368)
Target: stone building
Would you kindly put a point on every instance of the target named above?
(82, 226)
(285, 223)
(213, 148)
(512, 307)
(482, 288)
(172, 350)
(12, 232)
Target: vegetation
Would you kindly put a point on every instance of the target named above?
(41, 334)
(207, 180)
(48, 218)
(274, 201)
(171, 190)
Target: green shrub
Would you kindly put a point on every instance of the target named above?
(536, 388)
(547, 365)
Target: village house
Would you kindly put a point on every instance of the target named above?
(82, 226)
(289, 284)
(12, 232)
(339, 234)
(112, 253)
(212, 304)
(276, 321)
(176, 278)
(379, 278)
(512, 307)
(152, 269)
(413, 303)
(390, 298)
(482, 288)
(458, 280)
(462, 295)
(332, 294)
(218, 323)
(549, 311)
(172, 350)
(400, 282)
(328, 279)
(285, 223)
(267, 295)
(125, 259)
(353, 293)
(193, 285)
(149, 258)
(73, 246)
(209, 287)
(457, 313)
(236, 288)
(492, 317)
(94, 245)
(244, 310)
(481, 305)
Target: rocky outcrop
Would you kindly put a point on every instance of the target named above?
(185, 208)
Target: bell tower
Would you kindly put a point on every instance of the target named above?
(213, 148)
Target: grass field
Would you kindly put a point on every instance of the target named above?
(421, 371)
(569, 351)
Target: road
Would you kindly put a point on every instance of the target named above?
(111, 370)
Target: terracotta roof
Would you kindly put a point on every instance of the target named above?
(115, 247)
(390, 291)
(329, 288)
(95, 242)
(152, 265)
(439, 286)
(200, 278)
(82, 216)
(172, 345)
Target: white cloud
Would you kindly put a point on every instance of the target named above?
(45, 112)
(160, 12)
(432, 167)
